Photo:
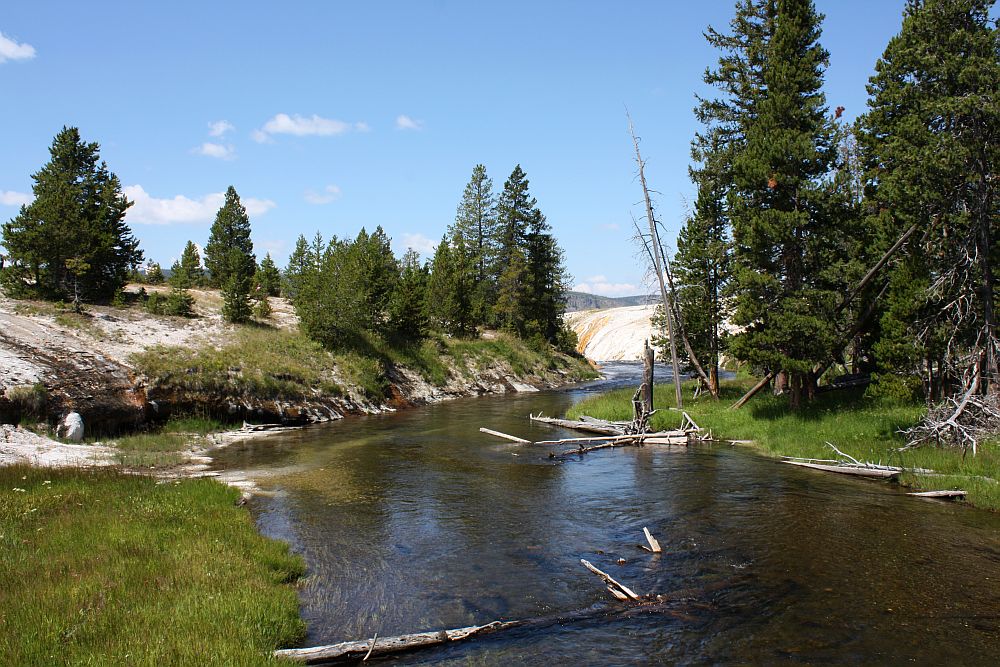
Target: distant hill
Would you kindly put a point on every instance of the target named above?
(584, 301)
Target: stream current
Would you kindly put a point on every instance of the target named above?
(414, 521)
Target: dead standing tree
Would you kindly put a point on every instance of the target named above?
(661, 265)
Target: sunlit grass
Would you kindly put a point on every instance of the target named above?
(102, 568)
(866, 428)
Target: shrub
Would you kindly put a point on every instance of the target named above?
(177, 302)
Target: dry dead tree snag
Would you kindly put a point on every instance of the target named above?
(654, 240)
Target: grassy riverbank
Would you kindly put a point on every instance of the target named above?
(102, 568)
(865, 428)
(268, 364)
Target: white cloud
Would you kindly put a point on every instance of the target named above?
(219, 128)
(404, 122)
(11, 50)
(261, 137)
(302, 126)
(611, 226)
(327, 195)
(150, 210)
(418, 242)
(220, 151)
(11, 198)
(600, 285)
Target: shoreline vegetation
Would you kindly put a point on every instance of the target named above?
(864, 427)
(101, 567)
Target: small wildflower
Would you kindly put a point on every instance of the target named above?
(19, 489)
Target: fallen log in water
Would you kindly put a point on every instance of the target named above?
(498, 434)
(588, 426)
(938, 494)
(860, 471)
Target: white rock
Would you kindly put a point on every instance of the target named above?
(72, 427)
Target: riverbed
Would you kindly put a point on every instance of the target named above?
(415, 520)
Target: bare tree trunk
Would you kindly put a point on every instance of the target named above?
(648, 357)
(654, 240)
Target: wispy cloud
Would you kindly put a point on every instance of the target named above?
(418, 242)
(404, 122)
(219, 127)
(327, 195)
(611, 226)
(304, 126)
(12, 198)
(11, 50)
(220, 151)
(149, 210)
(601, 285)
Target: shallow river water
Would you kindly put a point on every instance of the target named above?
(415, 521)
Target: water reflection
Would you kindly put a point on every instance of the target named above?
(415, 520)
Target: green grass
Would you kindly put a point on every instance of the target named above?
(164, 446)
(866, 428)
(269, 363)
(102, 568)
(260, 361)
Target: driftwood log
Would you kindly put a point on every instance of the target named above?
(860, 471)
(628, 603)
(587, 426)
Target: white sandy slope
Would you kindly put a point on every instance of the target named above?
(613, 334)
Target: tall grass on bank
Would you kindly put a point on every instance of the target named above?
(102, 568)
(866, 428)
(271, 363)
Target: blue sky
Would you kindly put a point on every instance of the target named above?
(330, 116)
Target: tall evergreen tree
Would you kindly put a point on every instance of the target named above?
(930, 141)
(229, 257)
(299, 265)
(516, 210)
(230, 232)
(187, 272)
(475, 223)
(449, 287)
(547, 281)
(701, 274)
(783, 298)
(268, 278)
(72, 239)
(408, 315)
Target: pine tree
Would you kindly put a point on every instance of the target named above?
(299, 265)
(230, 259)
(475, 223)
(236, 298)
(515, 212)
(154, 274)
(452, 275)
(190, 266)
(701, 271)
(781, 234)
(268, 278)
(547, 280)
(930, 142)
(230, 232)
(373, 274)
(408, 305)
(72, 239)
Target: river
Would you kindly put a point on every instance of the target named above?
(414, 520)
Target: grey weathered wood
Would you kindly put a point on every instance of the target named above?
(612, 584)
(506, 436)
(588, 426)
(938, 494)
(654, 546)
(848, 470)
